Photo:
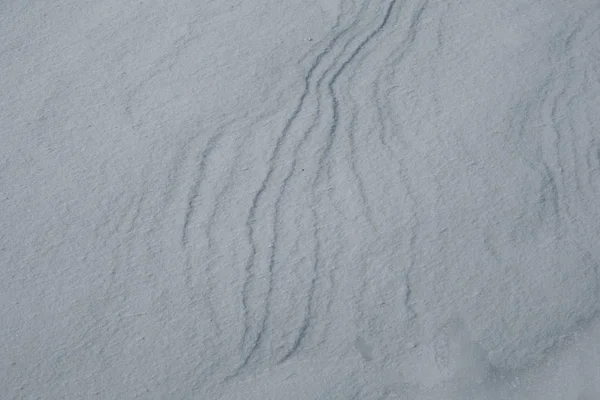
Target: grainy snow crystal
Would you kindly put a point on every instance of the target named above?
(387, 199)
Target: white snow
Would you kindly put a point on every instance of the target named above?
(349, 199)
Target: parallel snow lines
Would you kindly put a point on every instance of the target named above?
(333, 129)
(384, 116)
(338, 44)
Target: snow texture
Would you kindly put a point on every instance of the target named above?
(329, 199)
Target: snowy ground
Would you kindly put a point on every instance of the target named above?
(329, 199)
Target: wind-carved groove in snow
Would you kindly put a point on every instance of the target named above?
(250, 227)
(360, 183)
(587, 27)
(552, 163)
(288, 126)
(385, 115)
(561, 118)
(249, 346)
(210, 226)
(321, 162)
(253, 209)
(195, 189)
(193, 196)
(549, 165)
(193, 202)
(189, 214)
(221, 196)
(196, 200)
(330, 86)
(558, 139)
(310, 295)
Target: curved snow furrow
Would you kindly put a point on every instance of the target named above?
(545, 145)
(221, 197)
(547, 192)
(193, 202)
(558, 166)
(330, 85)
(194, 192)
(310, 294)
(355, 123)
(207, 202)
(417, 237)
(321, 164)
(291, 172)
(327, 167)
(344, 100)
(283, 187)
(217, 258)
(274, 158)
(386, 121)
(366, 204)
(555, 145)
(580, 96)
(212, 220)
(560, 159)
(385, 78)
(250, 265)
(549, 205)
(415, 214)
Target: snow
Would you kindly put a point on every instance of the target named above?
(388, 199)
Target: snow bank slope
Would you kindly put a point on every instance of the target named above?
(378, 199)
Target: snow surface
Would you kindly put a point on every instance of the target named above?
(330, 199)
